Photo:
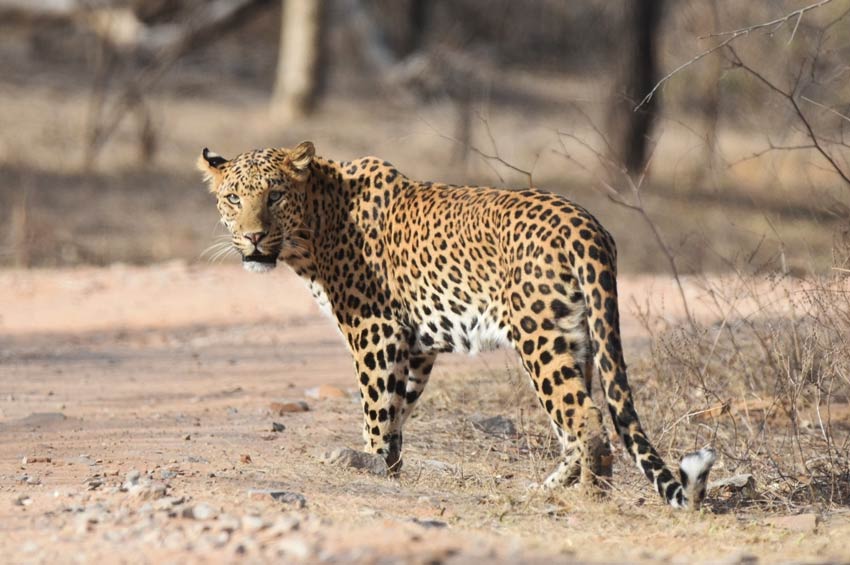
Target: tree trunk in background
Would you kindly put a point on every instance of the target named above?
(629, 130)
(417, 21)
(299, 59)
(707, 172)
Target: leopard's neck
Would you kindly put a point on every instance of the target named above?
(344, 208)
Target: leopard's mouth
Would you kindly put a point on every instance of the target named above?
(257, 257)
(258, 262)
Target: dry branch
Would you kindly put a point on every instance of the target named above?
(205, 26)
(731, 36)
(817, 141)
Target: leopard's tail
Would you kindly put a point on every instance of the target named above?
(604, 328)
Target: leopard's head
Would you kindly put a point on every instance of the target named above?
(261, 197)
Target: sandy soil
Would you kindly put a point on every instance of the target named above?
(136, 424)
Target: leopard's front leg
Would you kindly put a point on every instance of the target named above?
(381, 360)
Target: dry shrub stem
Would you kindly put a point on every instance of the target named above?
(772, 26)
(772, 374)
(616, 170)
(790, 97)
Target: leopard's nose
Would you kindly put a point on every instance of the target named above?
(255, 237)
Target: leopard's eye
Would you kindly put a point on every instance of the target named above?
(232, 198)
(274, 196)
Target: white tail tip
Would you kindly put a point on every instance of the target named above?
(693, 471)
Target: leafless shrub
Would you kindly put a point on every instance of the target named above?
(767, 384)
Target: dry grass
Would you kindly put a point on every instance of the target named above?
(770, 390)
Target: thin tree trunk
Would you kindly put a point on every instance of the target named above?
(299, 57)
(630, 129)
(417, 20)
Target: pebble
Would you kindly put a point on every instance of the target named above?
(278, 427)
(494, 425)
(133, 477)
(200, 511)
(149, 491)
(347, 457)
(229, 522)
(23, 500)
(291, 498)
(285, 524)
(281, 408)
(27, 460)
(253, 524)
(428, 524)
(744, 484)
(294, 547)
(93, 483)
(168, 502)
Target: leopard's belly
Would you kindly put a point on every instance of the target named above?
(464, 331)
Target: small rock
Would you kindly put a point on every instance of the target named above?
(167, 475)
(740, 557)
(133, 477)
(290, 498)
(294, 548)
(228, 522)
(346, 457)
(429, 523)
(28, 460)
(743, 484)
(281, 408)
(33, 481)
(93, 483)
(187, 437)
(168, 502)
(149, 491)
(253, 524)
(284, 497)
(23, 500)
(494, 425)
(200, 511)
(325, 391)
(797, 523)
(218, 540)
(245, 458)
(278, 427)
(284, 524)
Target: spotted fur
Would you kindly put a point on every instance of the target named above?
(412, 269)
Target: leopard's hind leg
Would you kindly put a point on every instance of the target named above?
(550, 333)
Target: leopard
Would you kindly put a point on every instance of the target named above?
(411, 269)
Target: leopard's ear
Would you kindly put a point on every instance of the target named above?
(210, 164)
(301, 157)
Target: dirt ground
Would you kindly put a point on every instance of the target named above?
(137, 418)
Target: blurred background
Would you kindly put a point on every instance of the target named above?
(739, 161)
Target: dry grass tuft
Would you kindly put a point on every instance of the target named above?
(768, 388)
